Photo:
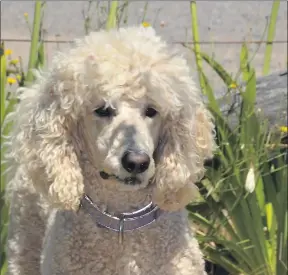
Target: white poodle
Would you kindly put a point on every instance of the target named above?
(105, 149)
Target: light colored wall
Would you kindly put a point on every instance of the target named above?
(218, 21)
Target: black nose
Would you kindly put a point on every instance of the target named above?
(135, 162)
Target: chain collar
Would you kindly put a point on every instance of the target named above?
(124, 221)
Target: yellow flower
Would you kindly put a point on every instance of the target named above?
(8, 52)
(233, 86)
(284, 129)
(18, 76)
(25, 14)
(145, 24)
(11, 80)
(14, 61)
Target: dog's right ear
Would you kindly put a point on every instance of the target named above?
(41, 140)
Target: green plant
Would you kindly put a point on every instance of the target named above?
(112, 15)
(36, 56)
(242, 214)
(109, 15)
(12, 74)
(270, 36)
(3, 209)
(196, 39)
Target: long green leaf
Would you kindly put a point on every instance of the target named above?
(33, 56)
(3, 82)
(270, 36)
(223, 74)
(112, 16)
(249, 127)
(41, 56)
(217, 258)
(237, 250)
(244, 62)
(212, 103)
(196, 40)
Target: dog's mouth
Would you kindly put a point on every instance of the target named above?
(127, 180)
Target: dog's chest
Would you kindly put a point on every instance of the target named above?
(98, 252)
(82, 248)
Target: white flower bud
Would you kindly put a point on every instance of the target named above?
(250, 180)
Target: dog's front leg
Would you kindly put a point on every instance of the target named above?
(25, 233)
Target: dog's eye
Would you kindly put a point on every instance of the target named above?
(104, 111)
(150, 112)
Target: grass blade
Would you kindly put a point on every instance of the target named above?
(213, 104)
(41, 56)
(224, 261)
(112, 16)
(249, 127)
(244, 62)
(3, 82)
(270, 36)
(196, 40)
(223, 74)
(33, 56)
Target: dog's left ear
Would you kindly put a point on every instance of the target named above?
(189, 140)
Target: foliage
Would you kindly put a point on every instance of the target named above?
(270, 36)
(13, 76)
(242, 215)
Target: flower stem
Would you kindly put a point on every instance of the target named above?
(196, 39)
(270, 36)
(34, 40)
(112, 16)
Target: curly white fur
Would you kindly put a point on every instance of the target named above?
(58, 146)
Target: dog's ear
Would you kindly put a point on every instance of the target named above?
(41, 141)
(188, 141)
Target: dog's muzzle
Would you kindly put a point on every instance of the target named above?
(135, 163)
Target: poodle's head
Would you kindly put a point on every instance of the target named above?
(122, 136)
(126, 103)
